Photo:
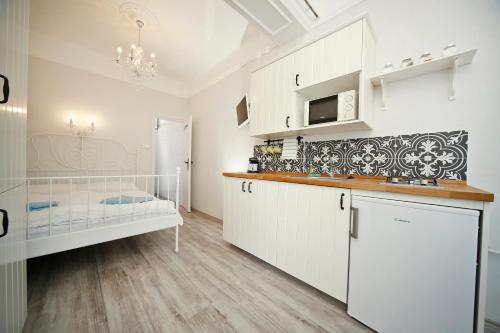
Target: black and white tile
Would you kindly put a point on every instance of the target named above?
(273, 162)
(430, 155)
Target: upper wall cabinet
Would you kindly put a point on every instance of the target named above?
(335, 55)
(341, 61)
(273, 101)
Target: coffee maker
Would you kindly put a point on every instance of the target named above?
(253, 165)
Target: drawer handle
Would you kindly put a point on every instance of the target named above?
(342, 201)
(297, 80)
(243, 186)
(287, 121)
(250, 187)
(5, 222)
(354, 223)
(6, 90)
(401, 220)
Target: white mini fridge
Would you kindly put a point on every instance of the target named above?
(412, 266)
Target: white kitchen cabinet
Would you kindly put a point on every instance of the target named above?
(313, 236)
(13, 70)
(340, 61)
(250, 219)
(301, 229)
(232, 211)
(335, 55)
(273, 103)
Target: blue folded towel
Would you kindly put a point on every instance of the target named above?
(40, 205)
(125, 199)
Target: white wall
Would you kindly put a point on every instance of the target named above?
(218, 143)
(120, 111)
(402, 28)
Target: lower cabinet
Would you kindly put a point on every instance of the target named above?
(250, 220)
(301, 229)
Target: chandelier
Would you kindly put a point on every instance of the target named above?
(136, 62)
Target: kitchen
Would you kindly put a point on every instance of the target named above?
(331, 213)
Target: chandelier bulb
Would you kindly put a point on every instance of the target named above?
(119, 50)
(152, 56)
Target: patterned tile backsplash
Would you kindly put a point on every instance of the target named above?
(430, 155)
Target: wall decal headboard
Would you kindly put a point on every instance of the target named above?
(52, 155)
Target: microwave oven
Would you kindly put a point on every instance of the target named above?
(340, 107)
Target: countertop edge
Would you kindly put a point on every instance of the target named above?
(450, 192)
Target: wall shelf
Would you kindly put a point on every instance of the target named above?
(435, 65)
(321, 129)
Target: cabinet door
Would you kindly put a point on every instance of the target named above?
(13, 295)
(258, 101)
(335, 55)
(250, 216)
(283, 100)
(13, 71)
(273, 99)
(313, 236)
(264, 219)
(13, 68)
(232, 214)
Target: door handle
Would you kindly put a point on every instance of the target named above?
(243, 186)
(188, 164)
(297, 80)
(342, 201)
(6, 89)
(287, 121)
(354, 222)
(250, 187)
(5, 222)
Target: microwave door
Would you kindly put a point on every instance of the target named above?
(323, 110)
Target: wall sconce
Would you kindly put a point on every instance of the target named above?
(81, 132)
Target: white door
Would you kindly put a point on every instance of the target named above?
(186, 170)
(13, 71)
(413, 266)
(172, 151)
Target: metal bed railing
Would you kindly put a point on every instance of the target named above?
(159, 187)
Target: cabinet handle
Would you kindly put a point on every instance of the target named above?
(354, 223)
(5, 89)
(342, 201)
(5, 222)
(287, 121)
(297, 80)
(250, 187)
(243, 186)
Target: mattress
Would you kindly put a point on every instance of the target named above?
(81, 208)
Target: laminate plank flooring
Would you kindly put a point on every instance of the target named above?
(139, 284)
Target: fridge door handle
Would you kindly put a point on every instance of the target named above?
(354, 222)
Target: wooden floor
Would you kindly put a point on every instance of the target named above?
(139, 284)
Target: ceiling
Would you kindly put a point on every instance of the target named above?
(191, 38)
(188, 37)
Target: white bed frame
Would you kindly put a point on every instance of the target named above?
(70, 158)
(98, 234)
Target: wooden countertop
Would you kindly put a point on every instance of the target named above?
(447, 189)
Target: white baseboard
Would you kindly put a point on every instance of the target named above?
(491, 326)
